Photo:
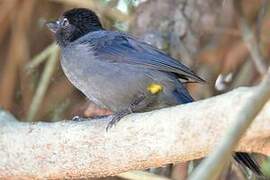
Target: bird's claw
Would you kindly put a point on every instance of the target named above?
(116, 118)
(111, 123)
(77, 118)
(135, 104)
(100, 117)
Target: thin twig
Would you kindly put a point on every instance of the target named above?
(41, 57)
(43, 85)
(17, 53)
(259, 20)
(213, 165)
(5, 16)
(250, 40)
(253, 47)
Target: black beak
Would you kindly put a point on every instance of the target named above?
(53, 26)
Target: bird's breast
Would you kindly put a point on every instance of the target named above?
(107, 84)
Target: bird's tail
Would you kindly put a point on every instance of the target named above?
(182, 94)
(246, 160)
(242, 158)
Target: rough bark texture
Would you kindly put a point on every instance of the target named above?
(181, 27)
(70, 149)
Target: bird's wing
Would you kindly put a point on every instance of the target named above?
(118, 47)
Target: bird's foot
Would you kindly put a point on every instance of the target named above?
(116, 118)
(80, 119)
(100, 117)
(139, 102)
(77, 119)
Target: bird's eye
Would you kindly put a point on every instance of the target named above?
(65, 22)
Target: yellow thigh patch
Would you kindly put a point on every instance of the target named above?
(154, 88)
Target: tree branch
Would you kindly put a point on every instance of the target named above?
(250, 40)
(212, 166)
(84, 149)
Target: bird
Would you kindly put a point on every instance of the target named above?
(119, 72)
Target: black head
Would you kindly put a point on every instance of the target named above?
(73, 24)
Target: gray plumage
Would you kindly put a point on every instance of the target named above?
(114, 69)
(113, 82)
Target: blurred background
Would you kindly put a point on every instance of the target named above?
(224, 41)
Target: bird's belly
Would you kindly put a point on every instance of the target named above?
(109, 85)
(116, 89)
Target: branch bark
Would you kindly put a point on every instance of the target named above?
(212, 166)
(69, 149)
